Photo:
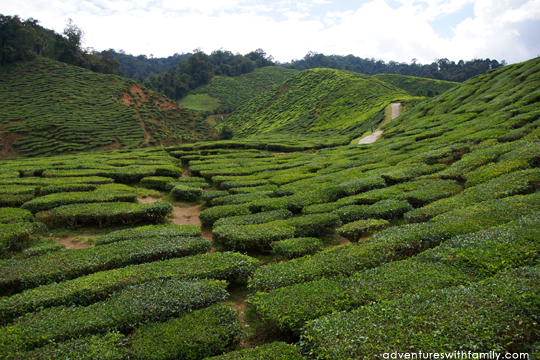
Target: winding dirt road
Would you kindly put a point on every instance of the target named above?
(373, 137)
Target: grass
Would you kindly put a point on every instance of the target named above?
(200, 102)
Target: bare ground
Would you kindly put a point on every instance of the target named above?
(72, 244)
(373, 137)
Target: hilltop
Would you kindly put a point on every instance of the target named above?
(224, 94)
(316, 100)
(50, 108)
(418, 86)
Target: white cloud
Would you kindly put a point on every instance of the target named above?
(287, 29)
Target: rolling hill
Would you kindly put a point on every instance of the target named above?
(315, 101)
(51, 107)
(224, 93)
(417, 86)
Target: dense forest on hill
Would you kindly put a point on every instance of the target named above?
(441, 69)
(23, 40)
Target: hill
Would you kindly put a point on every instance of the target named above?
(225, 94)
(317, 100)
(427, 239)
(51, 107)
(417, 86)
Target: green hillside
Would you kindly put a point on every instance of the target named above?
(417, 86)
(317, 100)
(49, 107)
(426, 240)
(224, 93)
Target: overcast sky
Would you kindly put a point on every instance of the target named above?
(398, 30)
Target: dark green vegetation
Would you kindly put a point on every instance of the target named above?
(443, 215)
(441, 69)
(228, 93)
(51, 108)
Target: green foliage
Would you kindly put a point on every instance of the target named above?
(43, 249)
(194, 336)
(104, 193)
(257, 236)
(228, 266)
(314, 100)
(458, 261)
(394, 243)
(273, 351)
(385, 209)
(496, 314)
(297, 247)
(209, 216)
(15, 215)
(158, 182)
(55, 108)
(137, 304)
(65, 265)
(106, 213)
(252, 219)
(149, 231)
(13, 236)
(354, 231)
(187, 193)
(232, 92)
(412, 84)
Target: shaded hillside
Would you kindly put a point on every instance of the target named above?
(50, 108)
(417, 86)
(317, 100)
(224, 94)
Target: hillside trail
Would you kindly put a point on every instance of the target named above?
(373, 137)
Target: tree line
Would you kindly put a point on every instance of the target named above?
(440, 69)
(194, 70)
(23, 40)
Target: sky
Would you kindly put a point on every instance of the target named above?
(398, 30)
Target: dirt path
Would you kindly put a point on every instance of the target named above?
(184, 215)
(370, 138)
(70, 244)
(373, 137)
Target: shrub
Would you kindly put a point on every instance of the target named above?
(65, 265)
(257, 236)
(273, 351)
(150, 231)
(394, 243)
(184, 192)
(104, 193)
(43, 249)
(194, 336)
(137, 304)
(14, 215)
(232, 267)
(297, 247)
(252, 219)
(213, 194)
(385, 209)
(60, 188)
(209, 216)
(106, 213)
(239, 198)
(157, 182)
(358, 229)
(14, 236)
(458, 261)
(487, 315)
(314, 224)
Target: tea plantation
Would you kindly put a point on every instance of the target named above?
(52, 108)
(426, 240)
